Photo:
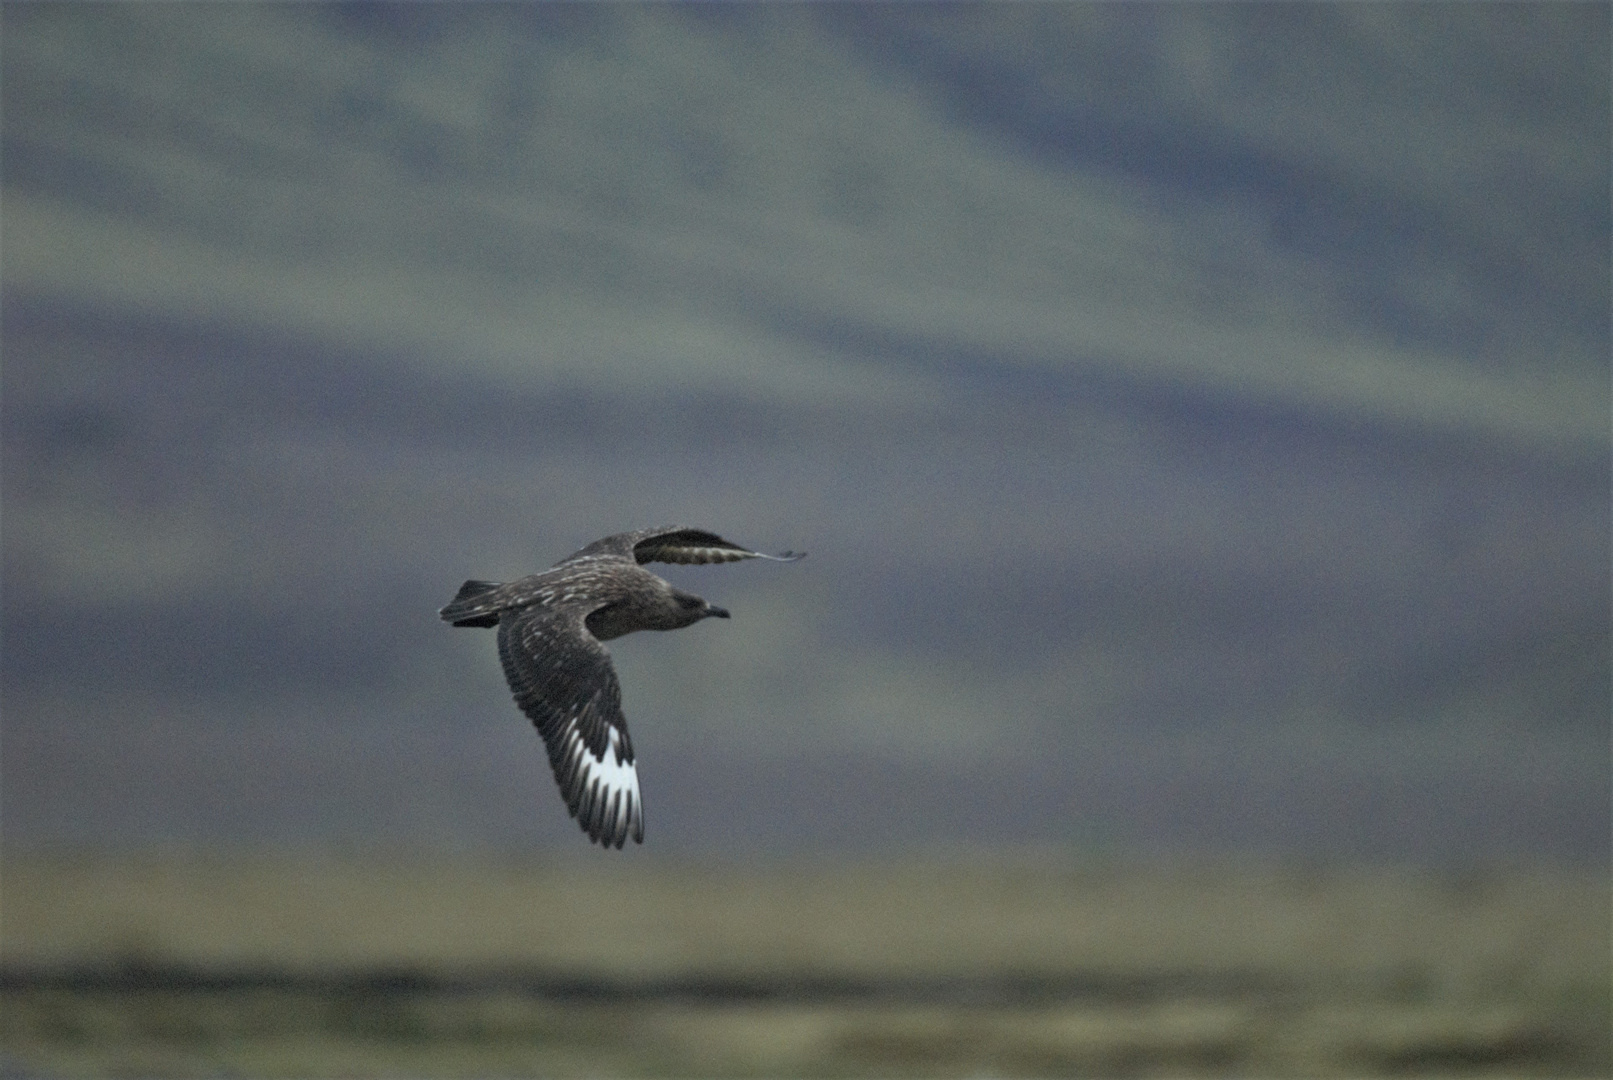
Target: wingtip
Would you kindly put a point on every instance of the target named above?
(788, 556)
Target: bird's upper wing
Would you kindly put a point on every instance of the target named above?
(677, 545)
(672, 544)
(563, 679)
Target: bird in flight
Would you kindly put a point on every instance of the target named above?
(551, 630)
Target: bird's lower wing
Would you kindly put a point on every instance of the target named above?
(563, 679)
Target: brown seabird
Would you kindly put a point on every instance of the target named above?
(550, 629)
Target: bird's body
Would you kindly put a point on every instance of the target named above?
(551, 627)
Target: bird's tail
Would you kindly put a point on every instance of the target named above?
(470, 606)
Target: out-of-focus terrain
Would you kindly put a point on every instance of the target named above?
(184, 965)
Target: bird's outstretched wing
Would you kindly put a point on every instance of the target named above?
(563, 679)
(672, 544)
(698, 546)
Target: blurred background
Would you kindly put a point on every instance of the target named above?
(1197, 416)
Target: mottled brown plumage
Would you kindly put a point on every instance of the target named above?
(550, 632)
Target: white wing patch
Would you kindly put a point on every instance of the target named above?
(686, 553)
(608, 804)
(707, 554)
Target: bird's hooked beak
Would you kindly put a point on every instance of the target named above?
(715, 612)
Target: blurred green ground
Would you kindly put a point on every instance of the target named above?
(186, 965)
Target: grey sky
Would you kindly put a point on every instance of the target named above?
(1198, 418)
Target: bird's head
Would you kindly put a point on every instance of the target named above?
(691, 608)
